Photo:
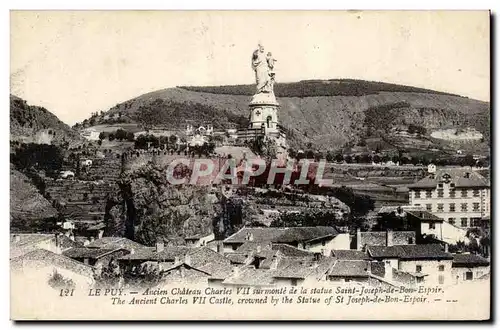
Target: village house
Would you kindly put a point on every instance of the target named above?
(199, 240)
(429, 263)
(113, 243)
(43, 264)
(427, 224)
(469, 267)
(314, 239)
(460, 197)
(95, 257)
(383, 238)
(23, 243)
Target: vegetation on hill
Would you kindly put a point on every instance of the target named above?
(36, 124)
(310, 88)
(171, 114)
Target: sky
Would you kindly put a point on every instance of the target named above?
(77, 62)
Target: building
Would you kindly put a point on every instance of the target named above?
(427, 224)
(320, 239)
(383, 238)
(429, 263)
(21, 244)
(42, 265)
(460, 197)
(469, 267)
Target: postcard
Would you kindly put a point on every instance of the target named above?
(250, 165)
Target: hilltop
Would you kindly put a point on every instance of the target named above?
(329, 114)
(29, 123)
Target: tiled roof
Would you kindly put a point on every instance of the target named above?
(425, 216)
(350, 255)
(24, 243)
(379, 238)
(281, 234)
(253, 247)
(236, 258)
(41, 257)
(302, 268)
(115, 243)
(349, 268)
(410, 252)
(457, 176)
(84, 252)
(469, 260)
(248, 275)
(291, 251)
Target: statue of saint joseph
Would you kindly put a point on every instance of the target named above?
(263, 65)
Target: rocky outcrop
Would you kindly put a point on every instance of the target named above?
(147, 208)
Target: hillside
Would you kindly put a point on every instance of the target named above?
(26, 203)
(329, 114)
(29, 123)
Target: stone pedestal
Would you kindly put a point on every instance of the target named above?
(264, 112)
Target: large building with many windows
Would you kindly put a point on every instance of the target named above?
(460, 197)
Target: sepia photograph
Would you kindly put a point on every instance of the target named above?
(250, 165)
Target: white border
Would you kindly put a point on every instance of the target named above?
(6, 5)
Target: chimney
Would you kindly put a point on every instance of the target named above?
(236, 272)
(358, 239)
(250, 237)
(72, 237)
(132, 251)
(17, 238)
(274, 264)
(446, 247)
(467, 175)
(160, 246)
(187, 259)
(389, 237)
(176, 260)
(91, 239)
(388, 271)
(259, 249)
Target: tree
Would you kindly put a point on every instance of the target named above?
(120, 134)
(348, 159)
(339, 158)
(330, 157)
(130, 137)
(469, 160)
(111, 137)
(102, 136)
(172, 139)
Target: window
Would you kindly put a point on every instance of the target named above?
(463, 222)
(475, 193)
(440, 185)
(420, 279)
(452, 193)
(440, 193)
(428, 207)
(464, 193)
(452, 185)
(479, 274)
(441, 268)
(294, 282)
(476, 222)
(441, 279)
(432, 225)
(417, 193)
(451, 221)
(417, 204)
(452, 207)
(323, 243)
(475, 207)
(440, 207)
(418, 268)
(428, 193)
(410, 240)
(468, 276)
(463, 207)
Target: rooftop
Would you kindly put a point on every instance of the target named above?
(462, 178)
(41, 257)
(350, 255)
(410, 252)
(379, 238)
(469, 260)
(281, 234)
(115, 243)
(83, 252)
(350, 268)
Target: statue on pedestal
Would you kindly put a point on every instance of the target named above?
(263, 65)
